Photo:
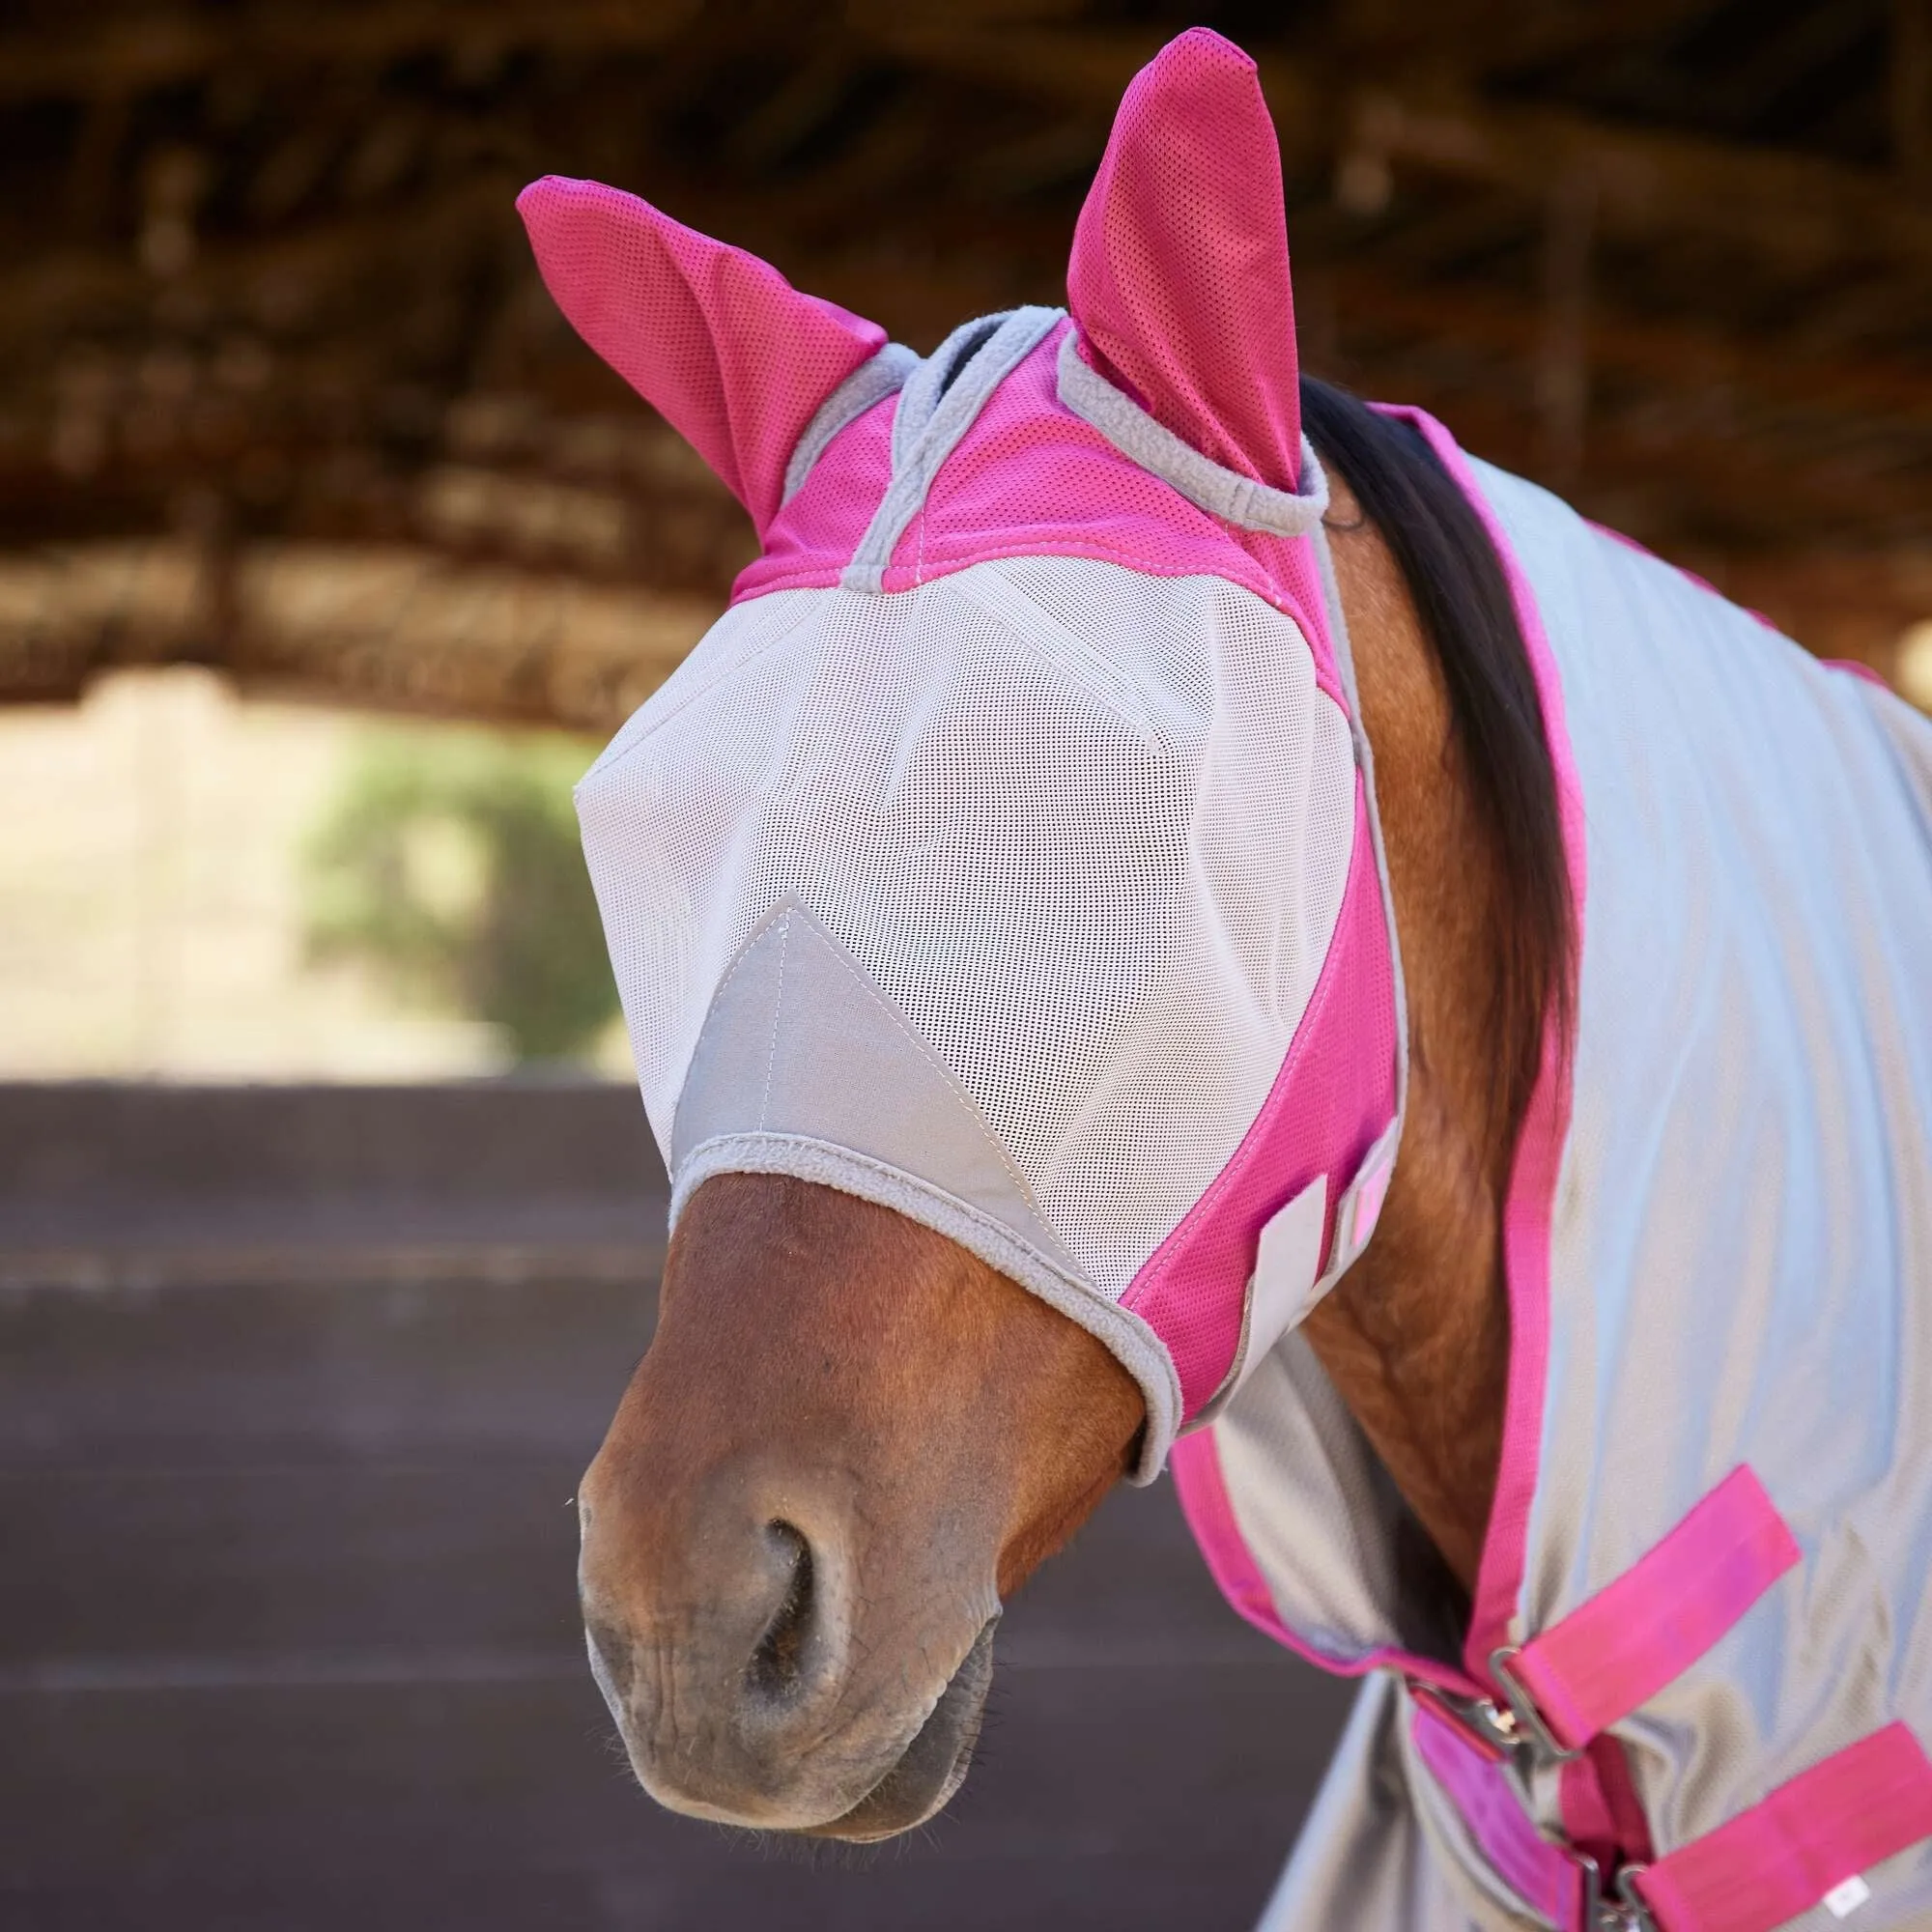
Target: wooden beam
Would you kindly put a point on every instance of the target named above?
(327, 257)
(1789, 206)
(1889, 395)
(401, 628)
(1909, 73)
(1795, 208)
(1563, 349)
(386, 626)
(115, 57)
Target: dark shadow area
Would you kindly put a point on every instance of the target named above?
(294, 1389)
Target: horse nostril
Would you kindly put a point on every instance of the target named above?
(778, 1661)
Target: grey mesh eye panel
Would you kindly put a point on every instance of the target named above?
(804, 1067)
(1101, 899)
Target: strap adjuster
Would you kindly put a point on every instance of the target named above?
(1523, 1705)
(1630, 1910)
(1489, 1730)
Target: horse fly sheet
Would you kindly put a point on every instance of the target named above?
(1008, 855)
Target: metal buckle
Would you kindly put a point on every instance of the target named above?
(1636, 1912)
(1508, 1735)
(1523, 1705)
(1485, 1725)
(1625, 1913)
(1592, 1892)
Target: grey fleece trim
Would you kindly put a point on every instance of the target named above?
(872, 382)
(929, 423)
(925, 388)
(1129, 1338)
(1222, 493)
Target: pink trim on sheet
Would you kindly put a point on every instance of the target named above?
(1683, 571)
(1196, 1463)
(1528, 1212)
(1332, 1099)
(1870, 673)
(1865, 1804)
(1527, 1233)
(1538, 1871)
(1643, 1631)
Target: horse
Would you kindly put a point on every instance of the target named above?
(916, 1344)
(1418, 1335)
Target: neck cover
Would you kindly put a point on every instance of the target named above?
(1007, 854)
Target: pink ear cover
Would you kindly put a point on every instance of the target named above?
(734, 357)
(1179, 277)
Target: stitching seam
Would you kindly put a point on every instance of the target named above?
(958, 1093)
(778, 1013)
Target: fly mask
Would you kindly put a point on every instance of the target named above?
(1007, 854)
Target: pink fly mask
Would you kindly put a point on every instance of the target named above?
(1006, 853)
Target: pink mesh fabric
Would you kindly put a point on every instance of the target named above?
(733, 356)
(1178, 278)
(1029, 479)
(1334, 1095)
(812, 540)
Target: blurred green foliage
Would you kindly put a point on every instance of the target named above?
(448, 865)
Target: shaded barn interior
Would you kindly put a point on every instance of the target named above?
(294, 1389)
(280, 391)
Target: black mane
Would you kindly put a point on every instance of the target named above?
(1457, 582)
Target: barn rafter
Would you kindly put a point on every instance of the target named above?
(269, 299)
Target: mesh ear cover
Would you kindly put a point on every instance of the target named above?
(1179, 277)
(734, 357)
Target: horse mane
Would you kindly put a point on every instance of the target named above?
(1462, 595)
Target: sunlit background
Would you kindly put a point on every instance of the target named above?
(202, 886)
(328, 1221)
(281, 397)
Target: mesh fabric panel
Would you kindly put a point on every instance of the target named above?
(736, 359)
(1333, 1094)
(1090, 829)
(1029, 478)
(1179, 277)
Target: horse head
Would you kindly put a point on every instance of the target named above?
(995, 902)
